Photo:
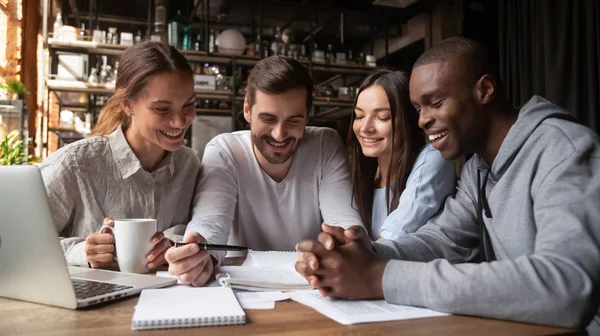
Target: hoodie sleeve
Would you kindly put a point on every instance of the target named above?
(557, 284)
(452, 234)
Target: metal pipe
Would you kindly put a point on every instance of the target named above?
(44, 75)
(110, 18)
(387, 40)
(233, 94)
(149, 28)
(371, 32)
(342, 28)
(90, 20)
(75, 12)
(260, 29)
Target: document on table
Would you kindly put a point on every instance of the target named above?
(360, 311)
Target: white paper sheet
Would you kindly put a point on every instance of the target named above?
(210, 283)
(259, 300)
(360, 311)
(285, 259)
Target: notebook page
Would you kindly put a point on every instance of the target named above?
(169, 305)
(260, 275)
(360, 311)
(285, 259)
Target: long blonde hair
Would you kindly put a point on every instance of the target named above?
(136, 66)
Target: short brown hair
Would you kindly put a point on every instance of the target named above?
(278, 74)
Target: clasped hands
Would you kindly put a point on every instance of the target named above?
(341, 263)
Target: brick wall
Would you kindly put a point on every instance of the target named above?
(11, 16)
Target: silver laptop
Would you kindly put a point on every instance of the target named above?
(32, 265)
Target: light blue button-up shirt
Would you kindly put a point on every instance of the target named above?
(431, 180)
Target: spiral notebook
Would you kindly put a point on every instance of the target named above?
(264, 271)
(182, 307)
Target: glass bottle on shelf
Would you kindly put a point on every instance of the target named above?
(211, 41)
(216, 41)
(111, 36)
(361, 59)
(277, 43)
(285, 42)
(83, 33)
(57, 28)
(266, 48)
(179, 32)
(329, 55)
(113, 75)
(198, 43)
(138, 37)
(104, 70)
(257, 46)
(93, 77)
(350, 56)
(303, 55)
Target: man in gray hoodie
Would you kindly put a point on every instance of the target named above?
(520, 239)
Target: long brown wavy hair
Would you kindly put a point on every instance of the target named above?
(136, 66)
(402, 157)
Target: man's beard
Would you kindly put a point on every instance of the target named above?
(275, 157)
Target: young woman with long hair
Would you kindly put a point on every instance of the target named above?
(134, 165)
(399, 182)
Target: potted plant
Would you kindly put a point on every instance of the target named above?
(16, 88)
(13, 151)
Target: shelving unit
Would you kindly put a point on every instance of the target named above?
(65, 90)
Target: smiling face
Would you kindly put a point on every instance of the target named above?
(448, 109)
(373, 122)
(277, 124)
(163, 111)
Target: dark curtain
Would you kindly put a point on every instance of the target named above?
(551, 48)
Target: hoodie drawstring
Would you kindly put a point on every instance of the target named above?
(486, 251)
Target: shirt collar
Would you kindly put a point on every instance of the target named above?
(126, 159)
(124, 156)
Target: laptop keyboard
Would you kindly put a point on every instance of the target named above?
(86, 289)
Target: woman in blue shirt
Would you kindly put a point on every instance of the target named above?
(399, 182)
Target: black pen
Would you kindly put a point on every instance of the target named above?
(215, 247)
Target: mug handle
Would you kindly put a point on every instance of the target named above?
(112, 232)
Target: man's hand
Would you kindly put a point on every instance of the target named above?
(333, 236)
(347, 271)
(188, 263)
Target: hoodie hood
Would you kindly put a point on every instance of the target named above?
(531, 115)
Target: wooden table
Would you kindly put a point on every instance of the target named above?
(288, 318)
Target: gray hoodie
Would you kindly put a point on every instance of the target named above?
(541, 209)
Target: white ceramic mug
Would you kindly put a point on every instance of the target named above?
(133, 242)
